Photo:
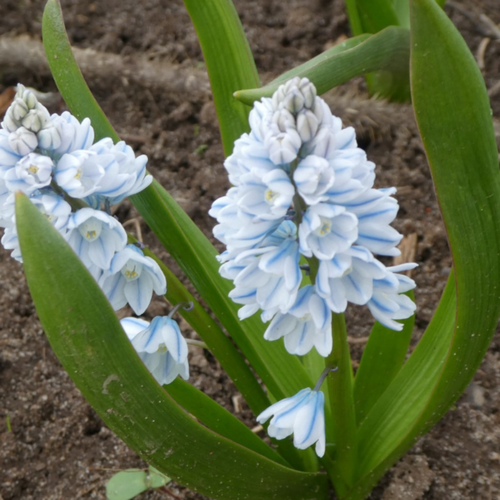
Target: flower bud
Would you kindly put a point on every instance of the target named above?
(308, 91)
(35, 119)
(18, 110)
(23, 141)
(284, 120)
(49, 137)
(307, 125)
(9, 124)
(27, 96)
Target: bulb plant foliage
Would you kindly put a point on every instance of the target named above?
(304, 231)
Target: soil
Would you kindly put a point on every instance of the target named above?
(53, 445)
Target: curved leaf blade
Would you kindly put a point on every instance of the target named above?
(229, 61)
(388, 50)
(88, 340)
(454, 120)
(63, 64)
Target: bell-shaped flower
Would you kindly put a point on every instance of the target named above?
(131, 278)
(348, 277)
(95, 236)
(267, 196)
(161, 347)
(32, 172)
(307, 324)
(22, 141)
(313, 177)
(124, 174)
(302, 415)
(327, 229)
(79, 173)
(387, 304)
(375, 210)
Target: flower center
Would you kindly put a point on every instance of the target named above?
(132, 270)
(324, 228)
(271, 196)
(33, 169)
(91, 229)
(78, 174)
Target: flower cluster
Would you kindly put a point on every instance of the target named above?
(303, 202)
(73, 181)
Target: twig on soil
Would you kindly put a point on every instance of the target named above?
(357, 340)
(481, 51)
(27, 53)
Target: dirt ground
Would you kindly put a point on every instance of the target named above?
(53, 445)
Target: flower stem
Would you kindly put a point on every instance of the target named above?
(340, 388)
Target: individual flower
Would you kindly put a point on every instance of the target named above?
(326, 230)
(73, 135)
(131, 278)
(95, 236)
(22, 141)
(313, 177)
(161, 347)
(124, 174)
(305, 325)
(79, 173)
(302, 415)
(32, 172)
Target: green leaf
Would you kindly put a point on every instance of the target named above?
(69, 80)
(377, 14)
(454, 119)
(229, 61)
(129, 483)
(126, 484)
(217, 418)
(383, 357)
(88, 340)
(388, 50)
(282, 374)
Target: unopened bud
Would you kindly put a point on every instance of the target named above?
(284, 120)
(9, 124)
(23, 141)
(49, 137)
(36, 119)
(307, 125)
(18, 109)
(27, 96)
(294, 101)
(308, 91)
(283, 148)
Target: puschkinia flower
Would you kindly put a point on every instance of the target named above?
(161, 347)
(131, 278)
(302, 415)
(32, 172)
(299, 169)
(95, 236)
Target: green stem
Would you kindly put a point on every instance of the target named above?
(340, 388)
(353, 16)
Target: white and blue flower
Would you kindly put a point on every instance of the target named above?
(302, 415)
(161, 347)
(131, 278)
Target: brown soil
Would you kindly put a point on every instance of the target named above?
(53, 445)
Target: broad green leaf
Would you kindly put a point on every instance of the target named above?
(282, 374)
(229, 61)
(454, 119)
(62, 63)
(377, 14)
(217, 418)
(383, 357)
(388, 50)
(88, 340)
(126, 484)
